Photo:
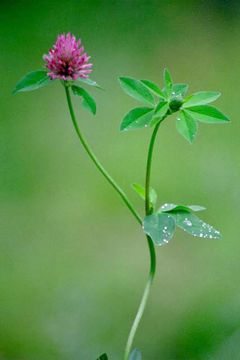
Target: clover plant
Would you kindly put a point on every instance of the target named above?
(68, 63)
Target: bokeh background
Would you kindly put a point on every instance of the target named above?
(73, 262)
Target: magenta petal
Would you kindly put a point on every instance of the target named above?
(67, 60)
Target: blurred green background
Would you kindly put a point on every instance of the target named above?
(73, 261)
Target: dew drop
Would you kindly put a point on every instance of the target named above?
(187, 222)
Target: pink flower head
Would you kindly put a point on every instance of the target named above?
(67, 60)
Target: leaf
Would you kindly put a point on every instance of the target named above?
(206, 114)
(160, 227)
(88, 101)
(179, 89)
(161, 108)
(173, 207)
(135, 355)
(136, 89)
(153, 88)
(90, 82)
(160, 111)
(196, 207)
(167, 82)
(103, 357)
(140, 190)
(201, 98)
(137, 118)
(32, 81)
(187, 126)
(195, 226)
(167, 78)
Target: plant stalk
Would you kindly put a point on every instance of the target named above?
(95, 160)
(148, 210)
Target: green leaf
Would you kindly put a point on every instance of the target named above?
(201, 98)
(173, 207)
(161, 109)
(103, 357)
(90, 82)
(88, 101)
(160, 227)
(195, 226)
(32, 81)
(137, 118)
(160, 112)
(167, 82)
(206, 114)
(136, 89)
(196, 207)
(135, 355)
(140, 190)
(153, 88)
(179, 89)
(187, 126)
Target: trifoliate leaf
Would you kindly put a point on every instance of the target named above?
(32, 81)
(136, 89)
(137, 118)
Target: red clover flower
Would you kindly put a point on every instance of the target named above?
(67, 60)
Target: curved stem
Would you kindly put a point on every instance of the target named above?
(152, 270)
(95, 160)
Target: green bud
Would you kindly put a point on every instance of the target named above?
(176, 103)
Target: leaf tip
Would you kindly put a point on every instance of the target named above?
(121, 79)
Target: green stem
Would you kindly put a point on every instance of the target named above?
(144, 299)
(95, 160)
(148, 208)
(133, 211)
(152, 270)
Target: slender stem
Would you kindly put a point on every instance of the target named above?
(95, 160)
(144, 299)
(152, 270)
(148, 169)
